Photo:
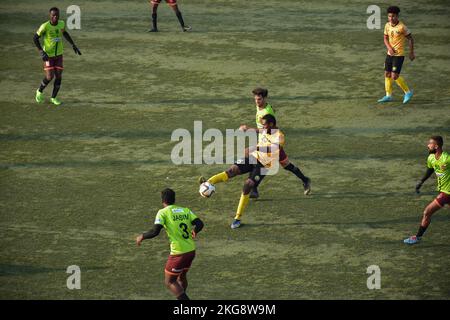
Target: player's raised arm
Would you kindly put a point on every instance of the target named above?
(69, 39)
(427, 174)
(149, 234)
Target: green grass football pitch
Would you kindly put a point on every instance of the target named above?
(78, 182)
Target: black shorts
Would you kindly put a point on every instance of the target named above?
(252, 165)
(393, 64)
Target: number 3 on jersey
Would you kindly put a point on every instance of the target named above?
(184, 227)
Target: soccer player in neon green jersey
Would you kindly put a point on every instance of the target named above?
(182, 227)
(439, 163)
(52, 53)
(263, 108)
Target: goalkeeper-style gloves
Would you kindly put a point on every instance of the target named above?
(44, 56)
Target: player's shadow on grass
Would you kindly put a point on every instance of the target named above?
(372, 224)
(84, 164)
(347, 195)
(14, 270)
(245, 100)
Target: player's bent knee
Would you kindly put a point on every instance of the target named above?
(170, 280)
(248, 186)
(233, 171)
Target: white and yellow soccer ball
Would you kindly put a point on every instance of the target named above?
(207, 189)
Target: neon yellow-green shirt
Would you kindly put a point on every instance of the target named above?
(261, 113)
(53, 38)
(178, 224)
(442, 169)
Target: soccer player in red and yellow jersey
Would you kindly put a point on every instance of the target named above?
(395, 33)
(52, 53)
(173, 4)
(257, 163)
(182, 227)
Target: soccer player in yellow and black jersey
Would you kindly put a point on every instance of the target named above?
(259, 159)
(263, 108)
(395, 33)
(52, 53)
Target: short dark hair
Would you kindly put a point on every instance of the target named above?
(168, 196)
(439, 140)
(270, 119)
(53, 9)
(394, 10)
(260, 92)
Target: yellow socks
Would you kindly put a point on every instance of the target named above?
(388, 86)
(402, 84)
(242, 205)
(220, 177)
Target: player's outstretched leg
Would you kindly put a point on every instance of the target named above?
(306, 181)
(222, 176)
(426, 220)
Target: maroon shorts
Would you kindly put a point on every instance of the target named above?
(176, 264)
(54, 63)
(442, 199)
(169, 2)
(283, 157)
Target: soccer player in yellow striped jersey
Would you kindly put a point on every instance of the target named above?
(438, 162)
(182, 227)
(263, 108)
(259, 159)
(52, 53)
(395, 34)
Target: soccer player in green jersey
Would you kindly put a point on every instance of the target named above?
(182, 227)
(263, 108)
(439, 163)
(52, 53)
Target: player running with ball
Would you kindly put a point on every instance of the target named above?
(263, 108)
(257, 162)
